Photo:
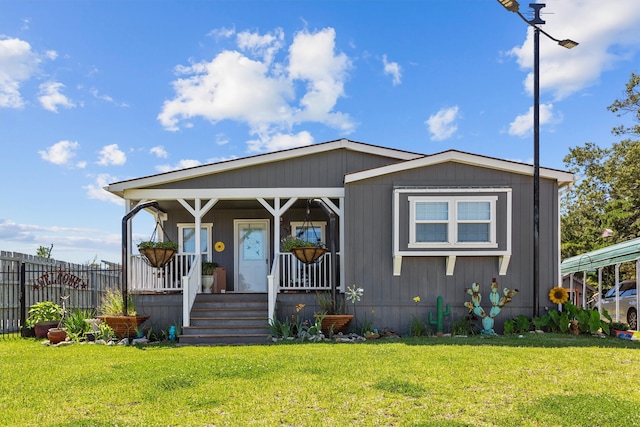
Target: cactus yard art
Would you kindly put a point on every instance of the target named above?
(497, 302)
(438, 322)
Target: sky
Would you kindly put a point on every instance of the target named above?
(96, 92)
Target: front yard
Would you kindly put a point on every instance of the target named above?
(537, 380)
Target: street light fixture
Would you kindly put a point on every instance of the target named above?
(513, 6)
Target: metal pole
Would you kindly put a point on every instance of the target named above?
(125, 249)
(536, 156)
(536, 172)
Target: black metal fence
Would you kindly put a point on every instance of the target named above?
(26, 280)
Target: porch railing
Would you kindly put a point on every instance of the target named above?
(145, 278)
(297, 276)
(191, 284)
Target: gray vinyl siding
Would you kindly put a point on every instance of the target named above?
(326, 169)
(368, 251)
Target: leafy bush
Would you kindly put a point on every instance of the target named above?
(418, 328)
(75, 324)
(44, 311)
(466, 325)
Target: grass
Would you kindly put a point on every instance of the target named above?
(548, 380)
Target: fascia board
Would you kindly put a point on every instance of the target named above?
(119, 187)
(563, 178)
(232, 193)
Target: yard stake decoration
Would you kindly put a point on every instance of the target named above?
(440, 313)
(497, 302)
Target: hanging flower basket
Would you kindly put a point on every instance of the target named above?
(157, 254)
(308, 254)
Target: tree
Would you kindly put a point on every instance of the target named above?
(44, 252)
(607, 195)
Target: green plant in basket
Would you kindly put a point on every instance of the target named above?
(158, 245)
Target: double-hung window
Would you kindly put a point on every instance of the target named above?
(187, 239)
(452, 221)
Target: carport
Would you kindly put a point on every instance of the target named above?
(615, 255)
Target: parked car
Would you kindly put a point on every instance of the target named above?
(628, 313)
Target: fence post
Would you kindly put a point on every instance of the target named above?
(23, 291)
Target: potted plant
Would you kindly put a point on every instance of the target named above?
(208, 275)
(305, 250)
(158, 254)
(43, 316)
(334, 317)
(111, 312)
(618, 328)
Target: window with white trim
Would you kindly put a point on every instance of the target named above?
(310, 232)
(187, 239)
(452, 221)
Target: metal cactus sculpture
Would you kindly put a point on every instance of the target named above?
(497, 302)
(439, 321)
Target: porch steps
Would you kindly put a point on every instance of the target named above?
(227, 319)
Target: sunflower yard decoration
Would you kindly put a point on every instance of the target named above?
(558, 295)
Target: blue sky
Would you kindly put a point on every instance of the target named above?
(94, 92)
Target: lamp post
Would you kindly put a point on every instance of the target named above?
(513, 6)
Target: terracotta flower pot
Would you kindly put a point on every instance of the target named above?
(56, 335)
(124, 326)
(41, 329)
(340, 323)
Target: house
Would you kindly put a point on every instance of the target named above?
(406, 225)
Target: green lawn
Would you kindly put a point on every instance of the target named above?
(538, 380)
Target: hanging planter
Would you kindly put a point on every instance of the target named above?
(308, 254)
(157, 254)
(304, 250)
(306, 245)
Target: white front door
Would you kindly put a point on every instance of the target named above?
(251, 255)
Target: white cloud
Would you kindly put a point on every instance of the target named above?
(96, 191)
(607, 32)
(26, 238)
(159, 151)
(94, 92)
(522, 125)
(112, 155)
(60, 153)
(265, 45)
(442, 124)
(182, 164)
(223, 32)
(50, 97)
(280, 142)
(255, 89)
(18, 63)
(392, 69)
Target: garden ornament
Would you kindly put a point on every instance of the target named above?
(497, 302)
(439, 321)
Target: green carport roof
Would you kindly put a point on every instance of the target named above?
(611, 255)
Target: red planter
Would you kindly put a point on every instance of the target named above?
(340, 323)
(56, 335)
(124, 326)
(41, 329)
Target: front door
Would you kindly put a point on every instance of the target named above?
(251, 255)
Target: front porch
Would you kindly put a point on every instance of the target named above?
(228, 317)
